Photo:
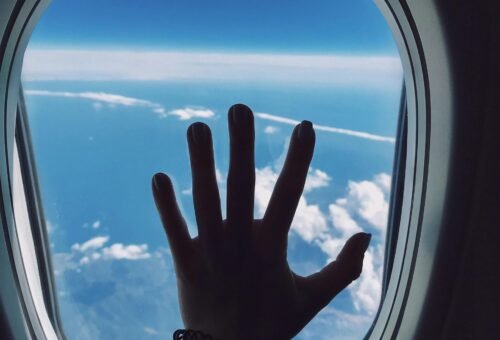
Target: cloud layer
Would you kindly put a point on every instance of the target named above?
(191, 112)
(112, 275)
(106, 65)
(364, 208)
(112, 100)
(94, 249)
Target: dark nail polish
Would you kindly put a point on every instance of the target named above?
(305, 131)
(159, 181)
(365, 241)
(240, 114)
(200, 132)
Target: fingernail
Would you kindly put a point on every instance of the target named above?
(365, 242)
(305, 131)
(159, 180)
(240, 114)
(200, 132)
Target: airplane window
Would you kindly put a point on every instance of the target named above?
(110, 91)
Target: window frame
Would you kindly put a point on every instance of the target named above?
(414, 225)
(19, 318)
(36, 216)
(421, 38)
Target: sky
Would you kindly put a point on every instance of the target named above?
(111, 88)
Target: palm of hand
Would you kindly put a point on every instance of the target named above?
(234, 281)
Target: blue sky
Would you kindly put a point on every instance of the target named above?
(111, 88)
(341, 26)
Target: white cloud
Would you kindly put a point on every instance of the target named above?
(84, 260)
(332, 129)
(119, 251)
(265, 179)
(383, 180)
(148, 286)
(366, 291)
(192, 112)
(112, 100)
(316, 179)
(94, 250)
(94, 243)
(367, 199)
(99, 97)
(270, 129)
(96, 224)
(342, 221)
(309, 222)
(105, 65)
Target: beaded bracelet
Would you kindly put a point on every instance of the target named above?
(189, 334)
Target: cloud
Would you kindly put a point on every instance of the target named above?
(119, 251)
(96, 224)
(271, 129)
(383, 180)
(316, 179)
(113, 100)
(343, 221)
(365, 201)
(366, 291)
(94, 243)
(99, 97)
(191, 112)
(116, 65)
(102, 300)
(94, 250)
(332, 129)
(309, 222)
(369, 200)
(84, 260)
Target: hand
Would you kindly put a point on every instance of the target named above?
(233, 280)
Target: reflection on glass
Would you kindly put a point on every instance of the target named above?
(108, 109)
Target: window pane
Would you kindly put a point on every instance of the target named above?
(110, 94)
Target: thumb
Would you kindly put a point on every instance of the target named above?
(332, 279)
(351, 256)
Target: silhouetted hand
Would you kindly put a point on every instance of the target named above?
(234, 281)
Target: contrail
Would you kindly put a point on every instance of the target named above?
(353, 133)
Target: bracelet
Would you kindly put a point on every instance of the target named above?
(189, 334)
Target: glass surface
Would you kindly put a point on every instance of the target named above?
(110, 92)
